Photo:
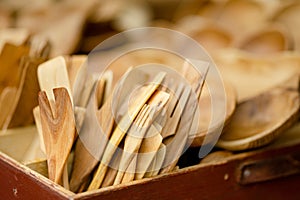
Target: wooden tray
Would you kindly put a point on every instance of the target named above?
(269, 172)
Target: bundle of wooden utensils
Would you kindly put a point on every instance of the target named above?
(98, 130)
(93, 137)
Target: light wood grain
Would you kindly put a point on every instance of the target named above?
(59, 131)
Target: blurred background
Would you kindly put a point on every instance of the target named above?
(257, 26)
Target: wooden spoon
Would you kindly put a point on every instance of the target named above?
(258, 121)
(206, 126)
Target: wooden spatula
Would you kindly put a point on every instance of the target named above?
(53, 74)
(118, 134)
(88, 151)
(59, 131)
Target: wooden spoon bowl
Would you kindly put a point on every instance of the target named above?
(259, 120)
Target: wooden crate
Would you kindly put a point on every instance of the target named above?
(269, 173)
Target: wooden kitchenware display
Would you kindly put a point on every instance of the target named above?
(86, 137)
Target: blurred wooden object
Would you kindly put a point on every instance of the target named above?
(18, 81)
(240, 69)
(272, 39)
(15, 36)
(288, 15)
(242, 17)
(27, 91)
(71, 18)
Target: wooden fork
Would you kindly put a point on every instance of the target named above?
(118, 134)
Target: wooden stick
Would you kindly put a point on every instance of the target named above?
(121, 129)
(59, 131)
(100, 93)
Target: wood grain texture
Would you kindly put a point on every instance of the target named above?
(59, 131)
